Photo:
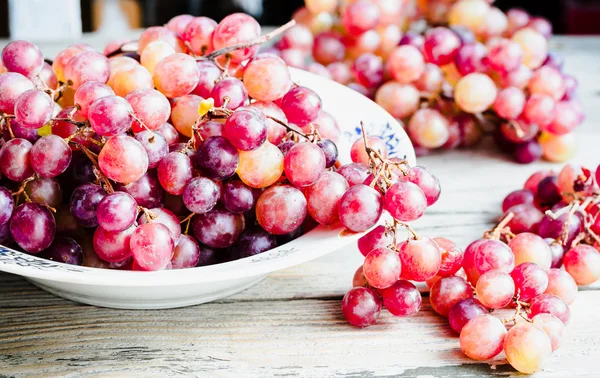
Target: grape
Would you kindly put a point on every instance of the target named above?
(151, 246)
(547, 81)
(527, 218)
(471, 57)
(447, 292)
(165, 217)
(324, 196)
(246, 129)
(575, 179)
(548, 192)
(526, 347)
(550, 304)
(505, 56)
(64, 250)
(557, 251)
(185, 113)
(541, 25)
(368, 70)
(89, 92)
(155, 145)
(304, 164)
(113, 246)
(201, 194)
(47, 77)
(402, 299)
(293, 58)
(463, 311)
(382, 268)
(540, 109)
(379, 237)
(518, 197)
(146, 191)
(230, 88)
(510, 103)
(233, 29)
(430, 80)
(255, 241)
(475, 93)
(428, 183)
(412, 38)
(262, 167)
(568, 117)
(340, 72)
(5, 236)
(33, 109)
(405, 201)
(22, 57)
(174, 172)
(557, 148)
(495, 289)
(176, 75)
(429, 128)
(87, 66)
(552, 326)
(528, 152)
(12, 85)
(451, 257)
(123, 159)
(354, 173)
(63, 57)
(186, 253)
(530, 281)
(116, 212)
(218, 228)
(552, 228)
(488, 255)
(361, 306)
(358, 152)
(301, 105)
(84, 202)
(110, 116)
(421, 259)
(360, 208)
(298, 37)
(406, 64)
(360, 16)
(159, 33)
(44, 191)
(275, 131)
(217, 158)
(534, 180)
(267, 78)
(469, 13)
(198, 35)
(178, 23)
(281, 209)
(329, 150)
(32, 227)
(7, 205)
(400, 100)
(440, 46)
(328, 48)
(517, 19)
(50, 156)
(359, 278)
(482, 337)
(361, 89)
(127, 80)
(534, 45)
(237, 197)
(528, 247)
(169, 132)
(150, 107)
(562, 285)
(15, 159)
(154, 53)
(583, 264)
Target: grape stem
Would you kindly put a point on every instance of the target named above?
(99, 175)
(150, 216)
(21, 189)
(287, 127)
(187, 219)
(258, 41)
(501, 228)
(410, 229)
(6, 121)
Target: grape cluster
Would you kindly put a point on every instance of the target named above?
(184, 148)
(461, 70)
(546, 245)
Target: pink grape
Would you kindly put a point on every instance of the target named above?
(510, 103)
(328, 48)
(557, 251)
(402, 299)
(541, 25)
(553, 228)
(275, 131)
(548, 81)
(527, 219)
(485, 255)
(155, 145)
(174, 172)
(233, 29)
(368, 70)
(7, 205)
(15, 159)
(440, 46)
(324, 196)
(304, 164)
(50, 156)
(382, 268)
(22, 57)
(198, 35)
(150, 107)
(169, 132)
(463, 311)
(340, 72)
(218, 228)
(261, 167)
(405, 201)
(406, 64)
(528, 247)
(451, 257)
(298, 37)
(44, 191)
(89, 92)
(32, 227)
(246, 129)
(359, 278)
(123, 159)
(165, 217)
(562, 285)
(568, 117)
(361, 306)
(293, 58)
(505, 55)
(208, 75)
(117, 211)
(427, 182)
(540, 109)
(47, 77)
(113, 246)
(475, 93)
(267, 78)
(379, 237)
(217, 158)
(176, 75)
(159, 33)
(360, 16)
(230, 88)
(482, 337)
(33, 109)
(552, 326)
(127, 80)
(281, 209)
(360, 208)
(447, 292)
(517, 197)
(178, 23)
(146, 191)
(400, 100)
(110, 116)
(63, 57)
(186, 253)
(12, 85)
(87, 66)
(550, 304)
(358, 152)
(201, 194)
(354, 173)
(421, 259)
(495, 289)
(301, 105)
(530, 281)
(526, 347)
(583, 264)
(430, 80)
(152, 246)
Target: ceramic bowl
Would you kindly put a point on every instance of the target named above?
(178, 288)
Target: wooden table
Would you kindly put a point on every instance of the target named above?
(291, 323)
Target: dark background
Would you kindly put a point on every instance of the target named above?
(567, 16)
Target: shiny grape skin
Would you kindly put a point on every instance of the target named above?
(117, 211)
(530, 281)
(152, 246)
(361, 306)
(32, 227)
(186, 253)
(324, 195)
(255, 241)
(50, 156)
(113, 246)
(146, 191)
(64, 250)
(7, 205)
(218, 228)
(281, 209)
(447, 292)
(201, 194)
(402, 299)
(550, 304)
(463, 311)
(360, 208)
(237, 197)
(15, 159)
(217, 158)
(84, 202)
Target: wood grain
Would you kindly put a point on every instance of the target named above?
(290, 323)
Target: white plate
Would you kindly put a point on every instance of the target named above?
(178, 288)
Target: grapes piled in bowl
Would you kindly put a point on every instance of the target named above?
(451, 71)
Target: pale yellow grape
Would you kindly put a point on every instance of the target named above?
(317, 23)
(534, 45)
(118, 63)
(261, 167)
(475, 93)
(558, 148)
(526, 347)
(470, 13)
(318, 6)
(495, 25)
(429, 128)
(185, 113)
(154, 53)
(400, 100)
(128, 80)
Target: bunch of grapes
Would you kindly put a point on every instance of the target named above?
(461, 69)
(544, 247)
(185, 148)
